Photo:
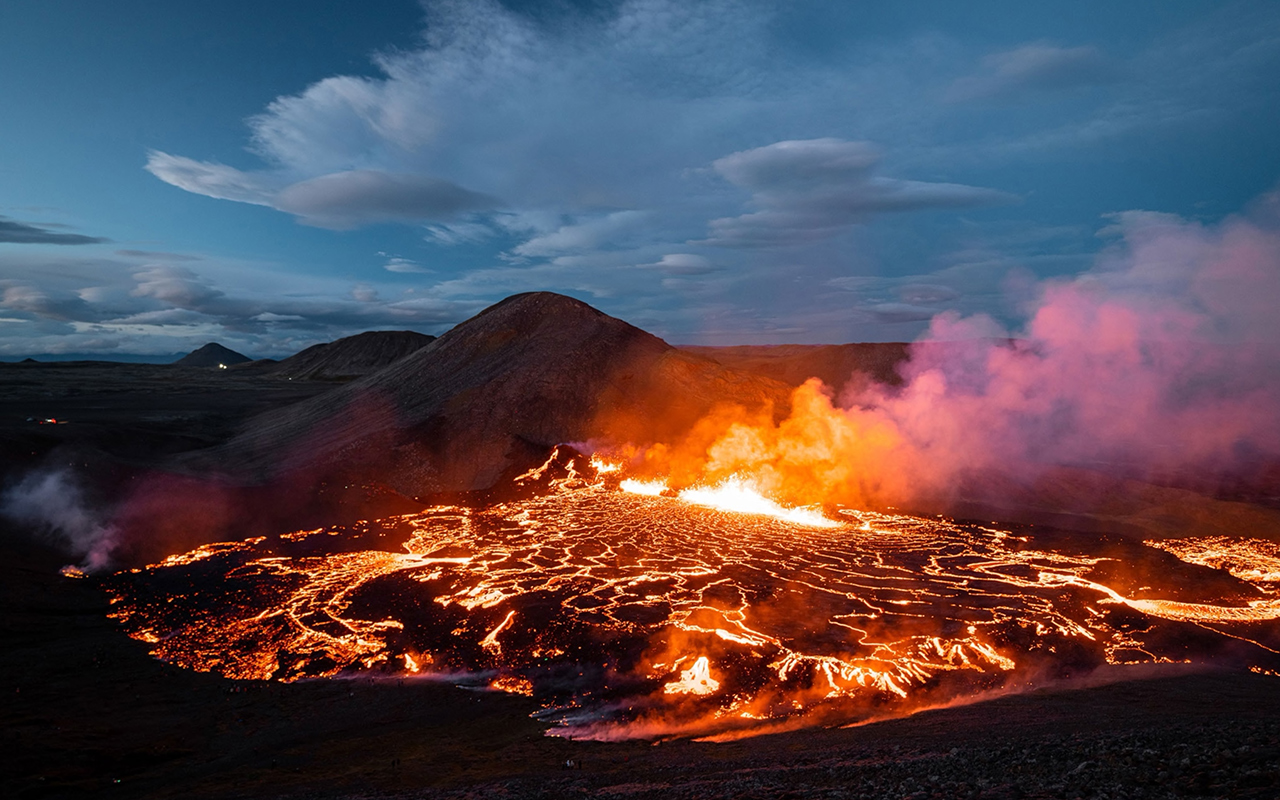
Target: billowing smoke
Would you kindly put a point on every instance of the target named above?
(1161, 364)
(52, 505)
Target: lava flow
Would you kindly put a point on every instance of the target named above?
(629, 610)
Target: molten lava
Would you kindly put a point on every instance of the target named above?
(627, 609)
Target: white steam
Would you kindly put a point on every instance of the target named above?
(52, 505)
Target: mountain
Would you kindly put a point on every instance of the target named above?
(500, 389)
(351, 357)
(212, 355)
(835, 364)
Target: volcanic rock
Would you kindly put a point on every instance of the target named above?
(212, 355)
(530, 372)
(351, 357)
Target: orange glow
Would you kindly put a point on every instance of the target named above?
(818, 454)
(735, 494)
(635, 486)
(1253, 560)
(740, 613)
(491, 642)
(694, 680)
(513, 685)
(603, 467)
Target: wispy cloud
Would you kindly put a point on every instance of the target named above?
(1031, 69)
(339, 200)
(16, 232)
(817, 188)
(404, 265)
(139, 305)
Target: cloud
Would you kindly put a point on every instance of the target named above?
(923, 293)
(361, 197)
(213, 180)
(156, 255)
(163, 316)
(340, 200)
(902, 312)
(598, 122)
(817, 188)
(15, 232)
(72, 304)
(48, 304)
(588, 235)
(451, 233)
(404, 265)
(1033, 68)
(684, 264)
(175, 286)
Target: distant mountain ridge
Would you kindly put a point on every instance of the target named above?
(352, 356)
(110, 358)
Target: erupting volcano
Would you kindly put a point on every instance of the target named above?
(722, 554)
(629, 610)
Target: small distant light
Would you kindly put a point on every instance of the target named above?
(222, 366)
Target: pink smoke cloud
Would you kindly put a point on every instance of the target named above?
(1161, 363)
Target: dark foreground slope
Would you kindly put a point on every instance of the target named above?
(351, 357)
(530, 372)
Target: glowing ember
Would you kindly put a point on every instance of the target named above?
(650, 488)
(734, 494)
(639, 614)
(694, 680)
(603, 467)
(1252, 560)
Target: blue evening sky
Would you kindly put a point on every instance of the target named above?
(271, 175)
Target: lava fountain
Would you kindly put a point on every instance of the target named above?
(627, 609)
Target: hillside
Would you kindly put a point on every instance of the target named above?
(351, 357)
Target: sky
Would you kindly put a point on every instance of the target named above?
(273, 175)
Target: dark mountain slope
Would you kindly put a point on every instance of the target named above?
(530, 372)
(351, 357)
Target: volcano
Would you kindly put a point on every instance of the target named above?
(212, 355)
(495, 392)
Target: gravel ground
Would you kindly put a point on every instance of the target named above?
(1186, 761)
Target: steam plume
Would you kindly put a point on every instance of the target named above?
(52, 505)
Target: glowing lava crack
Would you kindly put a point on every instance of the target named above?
(631, 613)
